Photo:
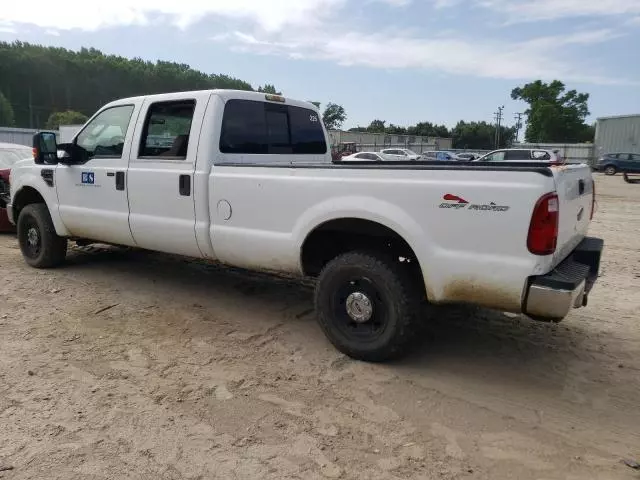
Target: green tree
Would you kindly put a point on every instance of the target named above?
(395, 130)
(554, 114)
(65, 118)
(428, 129)
(480, 135)
(268, 88)
(377, 126)
(6, 112)
(334, 116)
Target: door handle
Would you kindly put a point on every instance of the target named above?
(184, 185)
(119, 180)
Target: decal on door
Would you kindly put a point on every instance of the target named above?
(458, 203)
(87, 179)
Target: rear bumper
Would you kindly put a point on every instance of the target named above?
(552, 296)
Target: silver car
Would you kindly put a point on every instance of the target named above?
(523, 155)
(400, 154)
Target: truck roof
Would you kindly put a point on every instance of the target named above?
(226, 94)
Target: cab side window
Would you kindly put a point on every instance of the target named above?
(103, 137)
(166, 130)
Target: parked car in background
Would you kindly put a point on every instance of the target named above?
(366, 157)
(551, 157)
(612, 163)
(400, 154)
(10, 153)
(468, 156)
(438, 155)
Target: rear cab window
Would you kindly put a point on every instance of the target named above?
(260, 128)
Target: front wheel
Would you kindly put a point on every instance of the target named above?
(40, 245)
(610, 170)
(367, 306)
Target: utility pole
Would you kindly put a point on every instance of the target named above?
(498, 117)
(518, 117)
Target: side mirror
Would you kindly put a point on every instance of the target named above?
(45, 148)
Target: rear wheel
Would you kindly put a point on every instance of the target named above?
(40, 245)
(367, 306)
(610, 170)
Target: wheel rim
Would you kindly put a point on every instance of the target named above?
(359, 311)
(359, 307)
(610, 170)
(33, 239)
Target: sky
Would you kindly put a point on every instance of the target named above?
(402, 61)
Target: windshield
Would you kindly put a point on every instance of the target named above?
(410, 152)
(9, 156)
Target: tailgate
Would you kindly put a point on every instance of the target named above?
(575, 188)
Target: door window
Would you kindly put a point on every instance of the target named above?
(166, 130)
(104, 135)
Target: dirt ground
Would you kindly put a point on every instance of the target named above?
(144, 366)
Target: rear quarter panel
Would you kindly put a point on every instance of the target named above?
(472, 252)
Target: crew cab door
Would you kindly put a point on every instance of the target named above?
(161, 170)
(92, 196)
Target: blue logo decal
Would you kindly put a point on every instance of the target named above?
(88, 177)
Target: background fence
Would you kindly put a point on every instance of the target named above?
(21, 136)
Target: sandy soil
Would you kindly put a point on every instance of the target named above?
(146, 366)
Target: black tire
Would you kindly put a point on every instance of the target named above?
(610, 170)
(394, 302)
(40, 245)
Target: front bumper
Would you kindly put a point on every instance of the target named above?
(553, 295)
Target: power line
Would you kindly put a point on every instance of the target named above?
(498, 118)
(518, 117)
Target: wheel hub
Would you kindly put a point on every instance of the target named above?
(33, 237)
(359, 307)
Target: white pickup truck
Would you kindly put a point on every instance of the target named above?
(247, 179)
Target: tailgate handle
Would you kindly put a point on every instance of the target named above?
(581, 187)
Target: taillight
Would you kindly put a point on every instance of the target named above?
(593, 200)
(543, 230)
